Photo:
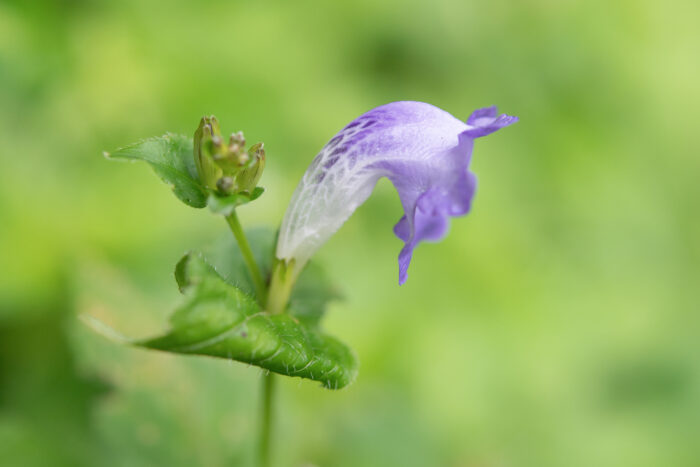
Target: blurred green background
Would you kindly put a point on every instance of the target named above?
(557, 325)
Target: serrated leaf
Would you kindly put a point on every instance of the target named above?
(225, 204)
(313, 289)
(172, 159)
(220, 320)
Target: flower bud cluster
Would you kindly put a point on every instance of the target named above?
(226, 168)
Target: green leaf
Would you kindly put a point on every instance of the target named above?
(220, 320)
(172, 159)
(225, 204)
(313, 289)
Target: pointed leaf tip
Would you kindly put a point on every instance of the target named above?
(171, 158)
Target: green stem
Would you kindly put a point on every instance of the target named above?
(275, 302)
(281, 284)
(267, 389)
(278, 296)
(248, 257)
(280, 288)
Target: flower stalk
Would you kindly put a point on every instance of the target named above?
(281, 285)
(248, 257)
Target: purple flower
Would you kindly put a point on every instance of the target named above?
(423, 150)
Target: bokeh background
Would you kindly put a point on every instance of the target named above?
(556, 325)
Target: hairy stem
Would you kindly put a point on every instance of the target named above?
(267, 391)
(248, 257)
(275, 302)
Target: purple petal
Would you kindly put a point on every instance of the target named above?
(430, 218)
(485, 121)
(423, 150)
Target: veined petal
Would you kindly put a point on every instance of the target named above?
(423, 150)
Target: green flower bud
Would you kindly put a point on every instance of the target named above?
(232, 157)
(206, 140)
(226, 168)
(226, 185)
(247, 179)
